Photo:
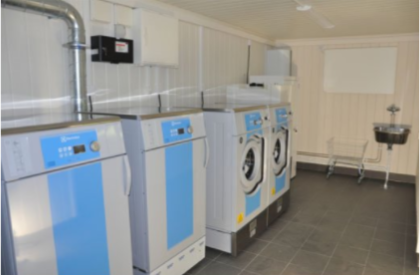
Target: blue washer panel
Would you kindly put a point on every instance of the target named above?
(176, 130)
(280, 112)
(68, 148)
(251, 125)
(179, 193)
(252, 202)
(280, 182)
(78, 217)
(250, 121)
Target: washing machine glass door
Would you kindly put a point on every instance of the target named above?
(279, 147)
(251, 164)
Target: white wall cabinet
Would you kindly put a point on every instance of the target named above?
(123, 15)
(156, 39)
(101, 11)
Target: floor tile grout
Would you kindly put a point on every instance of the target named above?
(338, 243)
(362, 203)
(300, 248)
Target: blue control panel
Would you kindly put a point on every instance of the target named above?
(176, 130)
(281, 115)
(253, 121)
(68, 148)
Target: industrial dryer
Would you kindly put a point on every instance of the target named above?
(65, 188)
(168, 153)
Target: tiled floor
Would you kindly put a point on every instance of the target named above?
(333, 227)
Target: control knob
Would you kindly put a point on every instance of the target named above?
(95, 146)
(190, 130)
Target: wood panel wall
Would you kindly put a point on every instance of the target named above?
(35, 70)
(325, 115)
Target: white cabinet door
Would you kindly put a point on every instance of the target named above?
(156, 39)
(123, 15)
(101, 11)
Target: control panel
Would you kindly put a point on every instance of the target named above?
(69, 148)
(253, 121)
(176, 130)
(17, 151)
(282, 115)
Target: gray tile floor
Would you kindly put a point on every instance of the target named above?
(333, 227)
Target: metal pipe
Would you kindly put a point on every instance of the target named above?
(62, 10)
(377, 159)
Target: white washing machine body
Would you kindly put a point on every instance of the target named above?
(237, 179)
(279, 158)
(168, 153)
(65, 188)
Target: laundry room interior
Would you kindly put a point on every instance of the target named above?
(231, 137)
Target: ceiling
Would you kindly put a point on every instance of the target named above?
(279, 19)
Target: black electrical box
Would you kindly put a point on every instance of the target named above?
(111, 49)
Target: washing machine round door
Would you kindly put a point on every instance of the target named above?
(251, 165)
(279, 159)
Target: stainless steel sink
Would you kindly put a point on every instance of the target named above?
(391, 133)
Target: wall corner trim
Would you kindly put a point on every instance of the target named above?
(350, 39)
(194, 18)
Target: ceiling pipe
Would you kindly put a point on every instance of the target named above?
(59, 9)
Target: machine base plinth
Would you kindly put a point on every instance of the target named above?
(235, 242)
(181, 263)
(278, 207)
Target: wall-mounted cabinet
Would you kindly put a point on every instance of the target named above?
(156, 39)
(101, 11)
(123, 15)
(105, 12)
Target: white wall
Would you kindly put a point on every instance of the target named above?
(35, 65)
(325, 115)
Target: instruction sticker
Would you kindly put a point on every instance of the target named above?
(273, 191)
(240, 217)
(121, 47)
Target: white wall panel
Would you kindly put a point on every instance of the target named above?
(224, 61)
(325, 115)
(258, 51)
(36, 70)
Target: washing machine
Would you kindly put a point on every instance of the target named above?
(168, 153)
(279, 160)
(237, 179)
(65, 188)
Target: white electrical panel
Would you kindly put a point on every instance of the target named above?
(101, 11)
(156, 39)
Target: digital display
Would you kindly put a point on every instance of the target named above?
(78, 149)
(181, 131)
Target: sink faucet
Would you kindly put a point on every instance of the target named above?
(393, 109)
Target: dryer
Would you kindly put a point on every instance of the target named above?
(279, 160)
(65, 187)
(168, 152)
(237, 179)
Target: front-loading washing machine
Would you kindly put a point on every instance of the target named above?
(279, 160)
(237, 179)
(168, 153)
(65, 188)
(279, 148)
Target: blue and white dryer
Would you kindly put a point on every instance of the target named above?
(237, 179)
(279, 160)
(168, 154)
(65, 187)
